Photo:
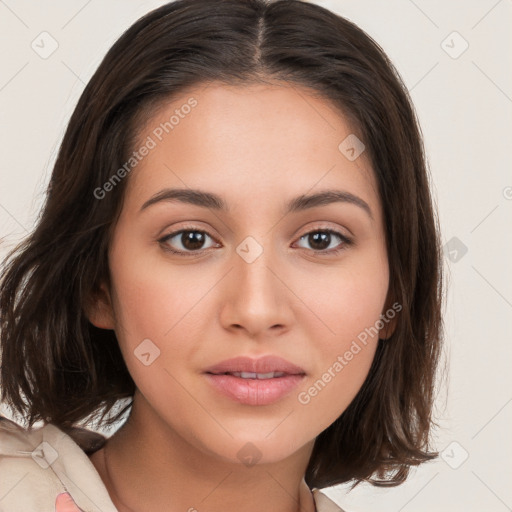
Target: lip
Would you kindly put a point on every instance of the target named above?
(265, 364)
(255, 391)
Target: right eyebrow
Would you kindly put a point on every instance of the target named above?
(189, 196)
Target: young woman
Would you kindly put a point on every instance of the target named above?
(239, 239)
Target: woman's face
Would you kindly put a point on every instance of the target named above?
(252, 277)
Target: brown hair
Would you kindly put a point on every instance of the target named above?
(57, 367)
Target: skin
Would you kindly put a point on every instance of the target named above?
(256, 146)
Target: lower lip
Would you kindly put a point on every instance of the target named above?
(254, 391)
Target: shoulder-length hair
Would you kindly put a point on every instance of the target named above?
(57, 367)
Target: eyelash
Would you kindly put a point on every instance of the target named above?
(346, 242)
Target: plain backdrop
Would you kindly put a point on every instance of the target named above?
(455, 59)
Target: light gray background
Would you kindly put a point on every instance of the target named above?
(465, 109)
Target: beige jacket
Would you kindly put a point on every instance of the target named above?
(46, 470)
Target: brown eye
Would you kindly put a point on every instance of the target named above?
(321, 239)
(185, 241)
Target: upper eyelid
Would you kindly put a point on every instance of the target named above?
(178, 231)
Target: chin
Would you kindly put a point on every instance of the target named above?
(250, 450)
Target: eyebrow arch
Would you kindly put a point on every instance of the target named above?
(215, 202)
(326, 197)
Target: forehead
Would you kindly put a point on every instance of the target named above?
(250, 139)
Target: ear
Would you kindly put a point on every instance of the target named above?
(389, 328)
(99, 309)
(390, 320)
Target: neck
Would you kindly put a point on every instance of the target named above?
(159, 470)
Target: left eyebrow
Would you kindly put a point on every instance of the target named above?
(326, 197)
(215, 202)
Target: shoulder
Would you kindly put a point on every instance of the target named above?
(325, 504)
(25, 482)
(43, 469)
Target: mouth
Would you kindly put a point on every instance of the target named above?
(262, 367)
(255, 381)
(251, 375)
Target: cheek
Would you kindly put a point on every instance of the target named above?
(342, 361)
(348, 306)
(345, 303)
(166, 305)
(157, 309)
(327, 394)
(154, 299)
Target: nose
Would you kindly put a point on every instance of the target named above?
(256, 298)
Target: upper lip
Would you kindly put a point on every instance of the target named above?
(265, 364)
